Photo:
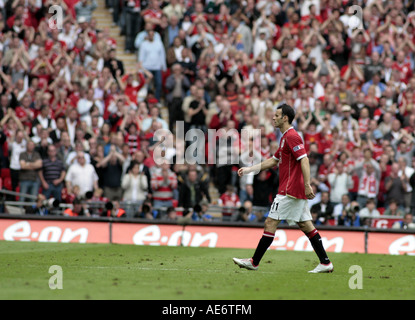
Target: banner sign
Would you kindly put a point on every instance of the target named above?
(54, 231)
(65, 231)
(233, 237)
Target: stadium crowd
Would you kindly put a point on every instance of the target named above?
(76, 125)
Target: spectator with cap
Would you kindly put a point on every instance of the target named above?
(351, 122)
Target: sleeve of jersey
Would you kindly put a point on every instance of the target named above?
(297, 147)
(275, 156)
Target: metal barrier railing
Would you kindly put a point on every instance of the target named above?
(101, 204)
(56, 208)
(96, 208)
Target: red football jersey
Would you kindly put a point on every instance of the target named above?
(290, 151)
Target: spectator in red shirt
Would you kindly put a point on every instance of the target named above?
(230, 200)
(164, 186)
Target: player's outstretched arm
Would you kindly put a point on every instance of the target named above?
(264, 165)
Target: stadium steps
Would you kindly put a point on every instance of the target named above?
(104, 21)
(213, 192)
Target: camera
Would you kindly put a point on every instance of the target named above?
(52, 205)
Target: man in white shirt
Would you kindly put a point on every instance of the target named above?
(340, 182)
(85, 103)
(68, 35)
(152, 55)
(16, 147)
(81, 174)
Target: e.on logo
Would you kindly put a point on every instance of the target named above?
(151, 235)
(403, 245)
(22, 231)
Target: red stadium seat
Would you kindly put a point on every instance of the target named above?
(331, 222)
(7, 183)
(5, 173)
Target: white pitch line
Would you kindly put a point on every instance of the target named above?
(161, 269)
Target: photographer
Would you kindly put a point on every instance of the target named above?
(78, 209)
(39, 208)
(114, 210)
(350, 216)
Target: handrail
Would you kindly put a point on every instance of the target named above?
(212, 207)
(14, 193)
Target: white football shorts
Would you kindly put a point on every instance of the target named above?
(291, 209)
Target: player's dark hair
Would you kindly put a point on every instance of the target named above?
(288, 111)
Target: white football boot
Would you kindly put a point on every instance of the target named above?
(322, 268)
(245, 263)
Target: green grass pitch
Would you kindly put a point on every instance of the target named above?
(128, 272)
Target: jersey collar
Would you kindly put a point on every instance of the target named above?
(287, 131)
